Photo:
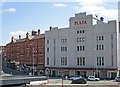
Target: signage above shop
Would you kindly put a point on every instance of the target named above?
(80, 22)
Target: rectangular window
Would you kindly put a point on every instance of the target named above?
(83, 48)
(47, 60)
(65, 48)
(78, 62)
(102, 47)
(77, 48)
(47, 49)
(97, 60)
(83, 60)
(61, 40)
(102, 61)
(80, 48)
(80, 39)
(63, 60)
(111, 37)
(47, 41)
(65, 40)
(102, 37)
(77, 32)
(77, 39)
(83, 39)
(97, 47)
(83, 31)
(99, 37)
(80, 31)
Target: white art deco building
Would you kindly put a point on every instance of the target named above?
(87, 47)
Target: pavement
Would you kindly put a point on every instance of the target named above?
(59, 81)
(14, 80)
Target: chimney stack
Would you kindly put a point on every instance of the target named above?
(101, 18)
(19, 37)
(38, 32)
(50, 28)
(34, 33)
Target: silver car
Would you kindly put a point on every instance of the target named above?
(93, 78)
(117, 79)
(75, 77)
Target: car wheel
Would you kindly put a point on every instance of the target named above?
(72, 82)
(84, 82)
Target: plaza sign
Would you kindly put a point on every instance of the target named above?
(80, 22)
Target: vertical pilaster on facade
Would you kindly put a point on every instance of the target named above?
(118, 44)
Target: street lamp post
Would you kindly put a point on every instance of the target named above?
(47, 74)
(33, 60)
(62, 79)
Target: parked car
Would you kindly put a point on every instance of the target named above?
(117, 79)
(79, 81)
(93, 78)
(75, 77)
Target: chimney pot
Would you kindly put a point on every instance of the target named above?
(50, 28)
(38, 32)
(19, 37)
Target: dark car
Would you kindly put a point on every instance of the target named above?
(79, 81)
(117, 79)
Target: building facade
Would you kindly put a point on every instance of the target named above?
(87, 47)
(29, 51)
(2, 56)
(118, 39)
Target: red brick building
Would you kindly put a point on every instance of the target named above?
(25, 50)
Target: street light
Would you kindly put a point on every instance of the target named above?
(47, 74)
(62, 79)
(33, 60)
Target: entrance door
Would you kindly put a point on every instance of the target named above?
(113, 75)
(53, 73)
(78, 72)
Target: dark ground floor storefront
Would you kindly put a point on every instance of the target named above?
(101, 73)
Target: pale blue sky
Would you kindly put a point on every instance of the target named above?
(21, 17)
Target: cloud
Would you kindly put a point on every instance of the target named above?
(10, 10)
(59, 5)
(90, 2)
(96, 7)
(17, 33)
